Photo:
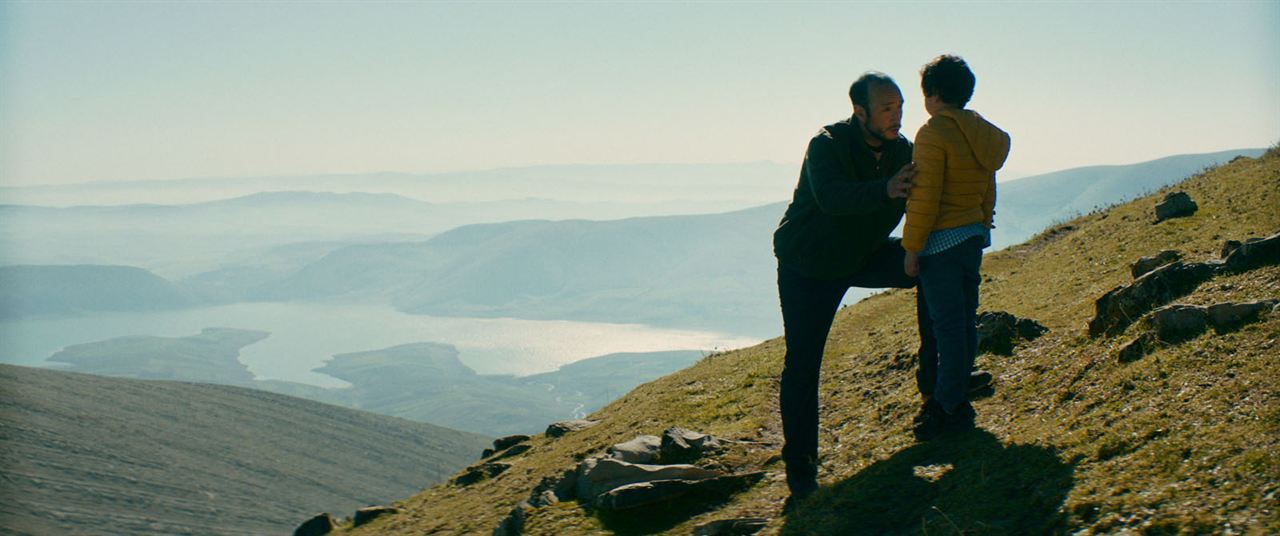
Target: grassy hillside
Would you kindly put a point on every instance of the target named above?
(82, 454)
(1186, 439)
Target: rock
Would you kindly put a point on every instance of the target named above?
(365, 515)
(1228, 247)
(1147, 264)
(642, 449)
(998, 331)
(316, 526)
(659, 491)
(597, 476)
(1175, 205)
(486, 453)
(731, 527)
(514, 451)
(1254, 253)
(504, 443)
(553, 489)
(480, 472)
(1228, 316)
(1175, 323)
(513, 524)
(561, 428)
(682, 446)
(1137, 348)
(1116, 309)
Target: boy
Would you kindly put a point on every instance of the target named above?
(948, 223)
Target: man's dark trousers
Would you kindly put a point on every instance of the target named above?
(808, 308)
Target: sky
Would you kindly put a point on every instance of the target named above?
(109, 91)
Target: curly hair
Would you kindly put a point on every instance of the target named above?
(949, 78)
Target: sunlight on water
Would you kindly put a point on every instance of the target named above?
(304, 336)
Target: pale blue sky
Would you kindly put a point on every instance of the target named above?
(95, 91)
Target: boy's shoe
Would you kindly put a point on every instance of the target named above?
(979, 380)
(802, 480)
(934, 421)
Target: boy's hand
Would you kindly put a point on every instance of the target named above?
(911, 264)
(899, 187)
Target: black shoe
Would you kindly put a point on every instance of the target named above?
(979, 380)
(935, 421)
(795, 499)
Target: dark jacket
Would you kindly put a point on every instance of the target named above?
(840, 212)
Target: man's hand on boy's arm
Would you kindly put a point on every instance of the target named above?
(899, 186)
(911, 264)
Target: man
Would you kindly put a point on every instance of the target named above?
(851, 194)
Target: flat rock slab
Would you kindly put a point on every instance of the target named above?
(1147, 264)
(731, 527)
(598, 476)
(1123, 305)
(365, 515)
(680, 445)
(642, 449)
(1252, 254)
(559, 429)
(660, 491)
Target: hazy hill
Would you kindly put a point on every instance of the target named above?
(82, 454)
(1183, 440)
(40, 290)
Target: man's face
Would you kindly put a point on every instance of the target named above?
(883, 118)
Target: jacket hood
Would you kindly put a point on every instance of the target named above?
(990, 144)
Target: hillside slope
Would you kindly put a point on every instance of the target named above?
(82, 454)
(1185, 439)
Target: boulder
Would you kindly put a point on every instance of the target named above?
(641, 494)
(1123, 305)
(513, 524)
(998, 331)
(365, 515)
(682, 446)
(561, 428)
(1175, 205)
(1175, 323)
(1227, 316)
(504, 443)
(553, 489)
(1228, 247)
(599, 475)
(513, 451)
(1147, 264)
(480, 472)
(1253, 253)
(317, 526)
(642, 449)
(731, 527)
(1137, 348)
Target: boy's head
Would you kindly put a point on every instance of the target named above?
(949, 79)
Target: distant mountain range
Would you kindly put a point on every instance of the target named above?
(83, 454)
(711, 271)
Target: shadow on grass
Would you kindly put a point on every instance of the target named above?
(660, 518)
(964, 484)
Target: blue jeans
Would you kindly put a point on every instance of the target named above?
(949, 281)
(808, 308)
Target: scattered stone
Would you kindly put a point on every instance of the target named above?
(1137, 348)
(998, 331)
(642, 449)
(1253, 253)
(365, 515)
(1226, 316)
(599, 475)
(504, 443)
(1175, 205)
(486, 453)
(480, 472)
(559, 429)
(513, 524)
(1123, 305)
(682, 446)
(317, 526)
(1147, 264)
(659, 491)
(731, 527)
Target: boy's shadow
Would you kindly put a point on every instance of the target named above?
(967, 483)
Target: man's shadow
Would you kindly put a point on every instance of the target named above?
(966, 483)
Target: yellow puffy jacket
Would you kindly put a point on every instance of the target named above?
(956, 154)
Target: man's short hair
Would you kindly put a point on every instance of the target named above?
(860, 91)
(949, 78)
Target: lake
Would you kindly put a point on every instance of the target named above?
(304, 336)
